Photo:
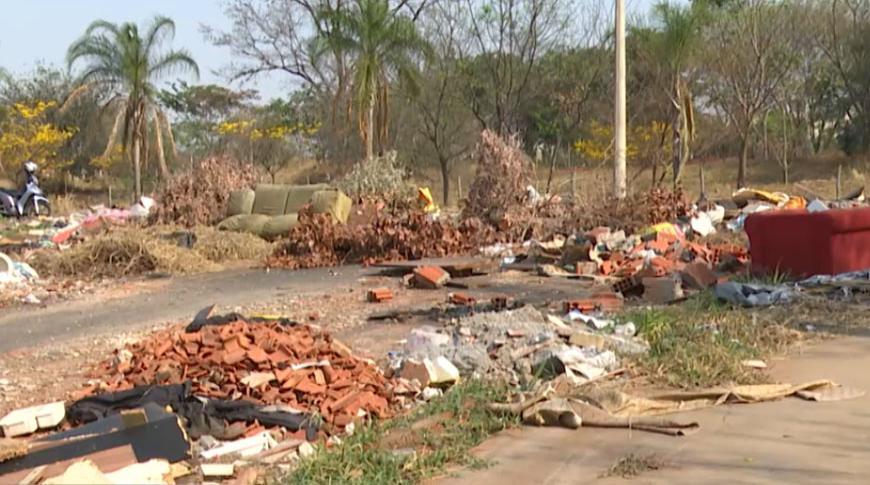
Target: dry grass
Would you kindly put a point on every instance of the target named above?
(119, 253)
(225, 246)
(633, 465)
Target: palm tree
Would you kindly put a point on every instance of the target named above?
(383, 46)
(126, 66)
(673, 47)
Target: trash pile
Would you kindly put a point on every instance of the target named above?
(517, 346)
(17, 281)
(261, 361)
(659, 263)
(224, 393)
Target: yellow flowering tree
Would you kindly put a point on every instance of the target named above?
(27, 135)
(269, 143)
(646, 144)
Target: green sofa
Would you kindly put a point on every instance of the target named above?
(270, 211)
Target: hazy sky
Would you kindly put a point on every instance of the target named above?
(40, 30)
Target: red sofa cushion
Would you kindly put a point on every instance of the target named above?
(799, 243)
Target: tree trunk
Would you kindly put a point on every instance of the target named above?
(137, 169)
(744, 154)
(161, 156)
(785, 151)
(370, 130)
(445, 181)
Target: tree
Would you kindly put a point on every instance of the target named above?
(507, 40)
(670, 49)
(383, 47)
(26, 135)
(199, 109)
(127, 65)
(441, 113)
(48, 84)
(750, 54)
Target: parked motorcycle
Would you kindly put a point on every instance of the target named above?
(29, 201)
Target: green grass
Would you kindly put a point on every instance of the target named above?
(702, 342)
(411, 448)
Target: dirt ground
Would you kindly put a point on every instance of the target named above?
(789, 441)
(48, 353)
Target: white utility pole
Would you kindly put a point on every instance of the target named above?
(619, 187)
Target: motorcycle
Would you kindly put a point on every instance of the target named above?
(29, 201)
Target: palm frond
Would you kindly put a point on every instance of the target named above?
(162, 28)
(175, 61)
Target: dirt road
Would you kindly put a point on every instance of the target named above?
(790, 441)
(178, 299)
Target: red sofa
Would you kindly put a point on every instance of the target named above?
(799, 243)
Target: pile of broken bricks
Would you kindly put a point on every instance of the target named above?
(657, 266)
(264, 362)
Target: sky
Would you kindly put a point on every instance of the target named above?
(33, 31)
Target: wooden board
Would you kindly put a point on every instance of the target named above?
(463, 265)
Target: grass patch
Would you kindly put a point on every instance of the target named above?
(632, 465)
(702, 343)
(411, 448)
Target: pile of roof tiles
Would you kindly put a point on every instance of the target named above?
(263, 362)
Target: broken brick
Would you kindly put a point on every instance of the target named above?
(232, 358)
(461, 299)
(257, 355)
(430, 277)
(379, 295)
(698, 276)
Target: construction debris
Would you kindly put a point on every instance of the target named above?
(231, 357)
(136, 436)
(28, 420)
(430, 277)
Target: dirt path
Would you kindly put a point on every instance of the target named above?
(177, 300)
(790, 441)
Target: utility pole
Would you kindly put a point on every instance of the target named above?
(619, 187)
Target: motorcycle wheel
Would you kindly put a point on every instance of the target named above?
(31, 206)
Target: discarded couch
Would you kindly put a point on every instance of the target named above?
(799, 243)
(270, 210)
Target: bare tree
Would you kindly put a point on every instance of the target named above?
(443, 116)
(749, 58)
(507, 39)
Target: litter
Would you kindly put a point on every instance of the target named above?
(753, 295)
(245, 447)
(28, 420)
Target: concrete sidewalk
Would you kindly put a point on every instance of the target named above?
(789, 441)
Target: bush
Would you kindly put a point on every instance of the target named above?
(381, 177)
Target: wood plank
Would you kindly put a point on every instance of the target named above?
(453, 265)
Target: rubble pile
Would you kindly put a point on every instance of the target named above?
(521, 345)
(265, 362)
(317, 242)
(200, 195)
(498, 192)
